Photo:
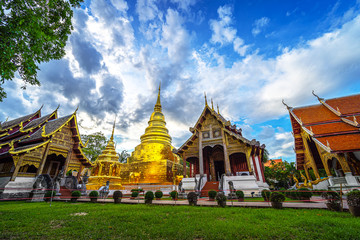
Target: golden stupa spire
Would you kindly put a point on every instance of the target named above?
(212, 105)
(218, 108)
(112, 134)
(157, 107)
(205, 99)
(156, 131)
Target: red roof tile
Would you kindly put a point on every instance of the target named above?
(314, 114)
(342, 142)
(331, 128)
(346, 105)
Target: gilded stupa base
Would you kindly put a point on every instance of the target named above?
(96, 182)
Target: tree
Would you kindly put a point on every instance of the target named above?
(31, 32)
(265, 156)
(123, 156)
(280, 175)
(97, 143)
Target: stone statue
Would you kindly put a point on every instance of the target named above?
(104, 190)
(57, 180)
(42, 184)
(181, 189)
(85, 179)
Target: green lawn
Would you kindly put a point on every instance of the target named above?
(19, 220)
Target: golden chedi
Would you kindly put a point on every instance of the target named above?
(153, 161)
(106, 168)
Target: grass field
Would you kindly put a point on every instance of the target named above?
(19, 220)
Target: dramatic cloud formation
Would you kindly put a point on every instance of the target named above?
(120, 51)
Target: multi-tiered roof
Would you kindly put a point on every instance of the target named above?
(333, 124)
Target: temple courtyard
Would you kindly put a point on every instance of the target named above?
(63, 220)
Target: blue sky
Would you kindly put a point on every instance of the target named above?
(246, 55)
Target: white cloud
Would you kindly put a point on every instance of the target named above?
(185, 4)
(259, 25)
(224, 33)
(175, 37)
(250, 89)
(147, 10)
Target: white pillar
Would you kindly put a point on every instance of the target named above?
(258, 168)
(201, 159)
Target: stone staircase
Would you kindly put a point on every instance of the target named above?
(209, 186)
(65, 193)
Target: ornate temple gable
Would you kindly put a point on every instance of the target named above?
(9, 127)
(332, 125)
(212, 125)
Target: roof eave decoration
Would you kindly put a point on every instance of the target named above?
(18, 124)
(321, 100)
(353, 123)
(45, 121)
(86, 159)
(13, 152)
(326, 148)
(237, 136)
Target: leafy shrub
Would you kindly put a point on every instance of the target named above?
(149, 196)
(75, 194)
(221, 199)
(192, 198)
(353, 198)
(333, 200)
(304, 193)
(266, 194)
(117, 194)
(49, 193)
(331, 196)
(277, 197)
(239, 194)
(158, 194)
(134, 194)
(212, 194)
(174, 194)
(94, 194)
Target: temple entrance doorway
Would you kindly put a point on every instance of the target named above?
(214, 164)
(53, 165)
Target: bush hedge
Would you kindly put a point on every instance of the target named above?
(159, 194)
(212, 194)
(94, 194)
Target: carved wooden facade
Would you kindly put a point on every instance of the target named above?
(34, 145)
(216, 147)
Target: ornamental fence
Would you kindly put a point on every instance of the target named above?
(292, 196)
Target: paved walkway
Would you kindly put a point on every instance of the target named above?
(316, 203)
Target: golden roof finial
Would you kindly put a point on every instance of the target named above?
(319, 98)
(354, 120)
(217, 105)
(205, 99)
(212, 105)
(112, 134)
(287, 106)
(157, 107)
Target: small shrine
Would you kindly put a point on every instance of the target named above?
(106, 168)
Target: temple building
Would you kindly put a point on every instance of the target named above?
(153, 162)
(106, 168)
(217, 151)
(33, 145)
(327, 139)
